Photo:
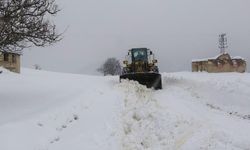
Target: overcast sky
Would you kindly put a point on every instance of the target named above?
(176, 30)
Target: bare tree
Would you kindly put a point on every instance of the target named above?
(25, 23)
(37, 67)
(111, 66)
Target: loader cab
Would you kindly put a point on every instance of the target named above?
(139, 54)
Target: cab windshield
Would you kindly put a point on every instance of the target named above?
(139, 55)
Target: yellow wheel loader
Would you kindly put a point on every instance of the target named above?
(140, 65)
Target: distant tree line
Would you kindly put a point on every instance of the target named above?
(111, 66)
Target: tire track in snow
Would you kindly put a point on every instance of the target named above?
(58, 121)
(206, 135)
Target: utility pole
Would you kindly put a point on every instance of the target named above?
(222, 43)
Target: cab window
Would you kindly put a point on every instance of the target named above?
(139, 55)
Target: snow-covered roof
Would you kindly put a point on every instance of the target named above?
(212, 58)
(238, 57)
(206, 59)
(196, 60)
(13, 52)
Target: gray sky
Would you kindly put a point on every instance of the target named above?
(176, 30)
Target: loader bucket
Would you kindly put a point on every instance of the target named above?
(151, 80)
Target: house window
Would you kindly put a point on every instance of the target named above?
(13, 58)
(6, 57)
(235, 64)
(219, 64)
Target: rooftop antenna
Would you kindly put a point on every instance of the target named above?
(222, 43)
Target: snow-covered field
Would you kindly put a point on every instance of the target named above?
(42, 110)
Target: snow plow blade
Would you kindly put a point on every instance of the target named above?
(151, 80)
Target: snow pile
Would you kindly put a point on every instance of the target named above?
(42, 110)
(146, 124)
(139, 118)
(3, 70)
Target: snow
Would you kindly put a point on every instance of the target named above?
(12, 52)
(206, 59)
(42, 110)
(238, 57)
(213, 58)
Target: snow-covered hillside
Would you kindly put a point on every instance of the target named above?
(42, 110)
